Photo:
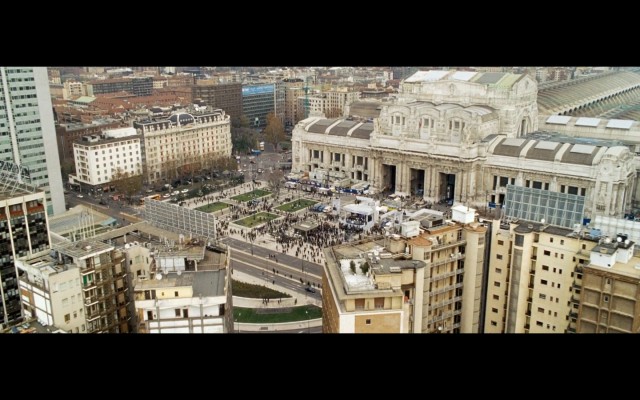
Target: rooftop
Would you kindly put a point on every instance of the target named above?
(203, 283)
(82, 248)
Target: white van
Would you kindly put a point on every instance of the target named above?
(291, 185)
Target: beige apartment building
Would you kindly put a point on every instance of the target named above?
(535, 277)
(610, 299)
(81, 287)
(427, 282)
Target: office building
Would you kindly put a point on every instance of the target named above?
(27, 133)
(137, 86)
(227, 97)
(23, 233)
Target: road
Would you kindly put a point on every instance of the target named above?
(118, 210)
(285, 276)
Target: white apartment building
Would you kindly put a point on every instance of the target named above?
(98, 158)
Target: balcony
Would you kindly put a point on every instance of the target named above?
(447, 274)
(446, 288)
(575, 299)
(448, 244)
(446, 260)
(444, 303)
(571, 330)
(578, 269)
(573, 314)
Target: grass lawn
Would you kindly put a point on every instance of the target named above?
(254, 194)
(289, 314)
(256, 219)
(213, 207)
(242, 289)
(296, 205)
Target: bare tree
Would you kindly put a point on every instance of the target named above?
(275, 182)
(125, 183)
(274, 132)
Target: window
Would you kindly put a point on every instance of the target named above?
(543, 281)
(378, 302)
(496, 284)
(547, 253)
(177, 312)
(359, 304)
(494, 323)
(550, 240)
(561, 242)
(606, 299)
(67, 318)
(539, 323)
(368, 321)
(494, 310)
(498, 270)
(561, 257)
(75, 314)
(545, 267)
(500, 242)
(499, 256)
(608, 281)
(540, 309)
(542, 296)
(176, 293)
(519, 240)
(496, 297)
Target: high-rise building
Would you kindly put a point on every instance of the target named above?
(258, 101)
(535, 277)
(81, 287)
(27, 133)
(226, 96)
(23, 233)
(610, 299)
(409, 283)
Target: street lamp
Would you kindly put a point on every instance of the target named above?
(308, 321)
(238, 321)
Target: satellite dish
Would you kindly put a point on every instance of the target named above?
(158, 276)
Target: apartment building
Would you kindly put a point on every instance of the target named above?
(535, 277)
(610, 299)
(227, 97)
(80, 287)
(99, 158)
(428, 280)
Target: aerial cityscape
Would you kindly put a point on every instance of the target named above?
(319, 200)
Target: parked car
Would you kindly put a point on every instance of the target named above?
(310, 289)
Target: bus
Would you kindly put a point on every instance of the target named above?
(152, 197)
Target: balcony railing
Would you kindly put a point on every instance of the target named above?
(447, 274)
(448, 244)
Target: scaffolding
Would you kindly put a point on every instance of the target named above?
(14, 177)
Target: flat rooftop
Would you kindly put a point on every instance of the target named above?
(205, 283)
(83, 248)
(630, 269)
